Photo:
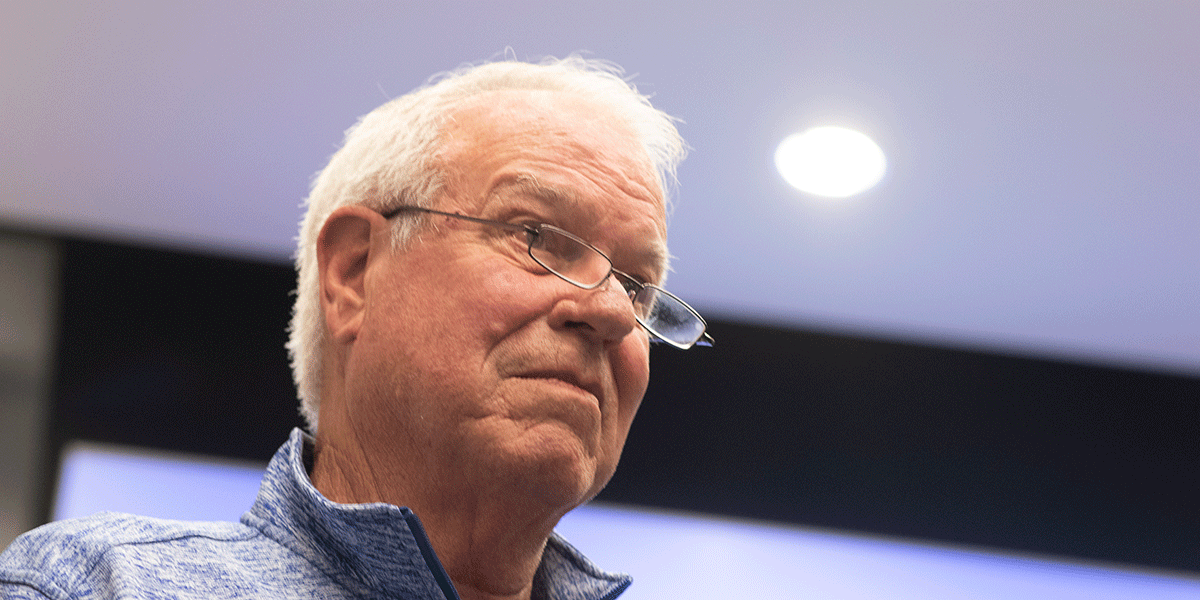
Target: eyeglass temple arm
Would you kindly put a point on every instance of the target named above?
(501, 224)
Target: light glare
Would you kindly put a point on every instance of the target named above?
(834, 162)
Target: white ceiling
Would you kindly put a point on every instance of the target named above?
(1042, 187)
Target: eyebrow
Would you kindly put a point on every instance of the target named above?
(528, 185)
(655, 253)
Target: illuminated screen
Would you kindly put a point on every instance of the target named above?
(671, 555)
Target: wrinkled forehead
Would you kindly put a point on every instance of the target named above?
(517, 120)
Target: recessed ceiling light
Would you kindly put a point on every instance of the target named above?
(834, 162)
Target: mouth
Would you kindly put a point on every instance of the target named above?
(567, 378)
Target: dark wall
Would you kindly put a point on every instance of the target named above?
(180, 351)
(921, 441)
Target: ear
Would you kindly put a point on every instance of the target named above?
(344, 249)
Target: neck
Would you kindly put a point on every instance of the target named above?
(489, 539)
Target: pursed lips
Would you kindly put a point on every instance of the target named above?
(574, 380)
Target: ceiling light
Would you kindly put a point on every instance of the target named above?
(834, 162)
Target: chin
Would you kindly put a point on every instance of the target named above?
(558, 470)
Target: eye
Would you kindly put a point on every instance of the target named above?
(515, 242)
(530, 235)
(631, 287)
(628, 283)
(559, 244)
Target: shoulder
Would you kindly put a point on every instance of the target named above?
(59, 558)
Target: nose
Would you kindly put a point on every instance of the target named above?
(604, 313)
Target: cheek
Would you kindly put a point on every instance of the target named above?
(632, 371)
(477, 297)
(503, 301)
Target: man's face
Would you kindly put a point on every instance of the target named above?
(472, 360)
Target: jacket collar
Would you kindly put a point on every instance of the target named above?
(381, 549)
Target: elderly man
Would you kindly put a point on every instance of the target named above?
(477, 298)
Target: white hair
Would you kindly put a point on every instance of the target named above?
(389, 158)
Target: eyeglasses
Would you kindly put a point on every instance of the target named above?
(665, 316)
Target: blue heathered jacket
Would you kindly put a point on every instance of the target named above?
(293, 543)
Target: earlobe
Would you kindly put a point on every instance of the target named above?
(343, 252)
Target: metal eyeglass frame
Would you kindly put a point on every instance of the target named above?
(632, 286)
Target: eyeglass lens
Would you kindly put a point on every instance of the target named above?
(670, 318)
(568, 257)
(662, 313)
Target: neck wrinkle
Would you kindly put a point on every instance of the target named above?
(490, 552)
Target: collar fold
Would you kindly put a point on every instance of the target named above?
(380, 549)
